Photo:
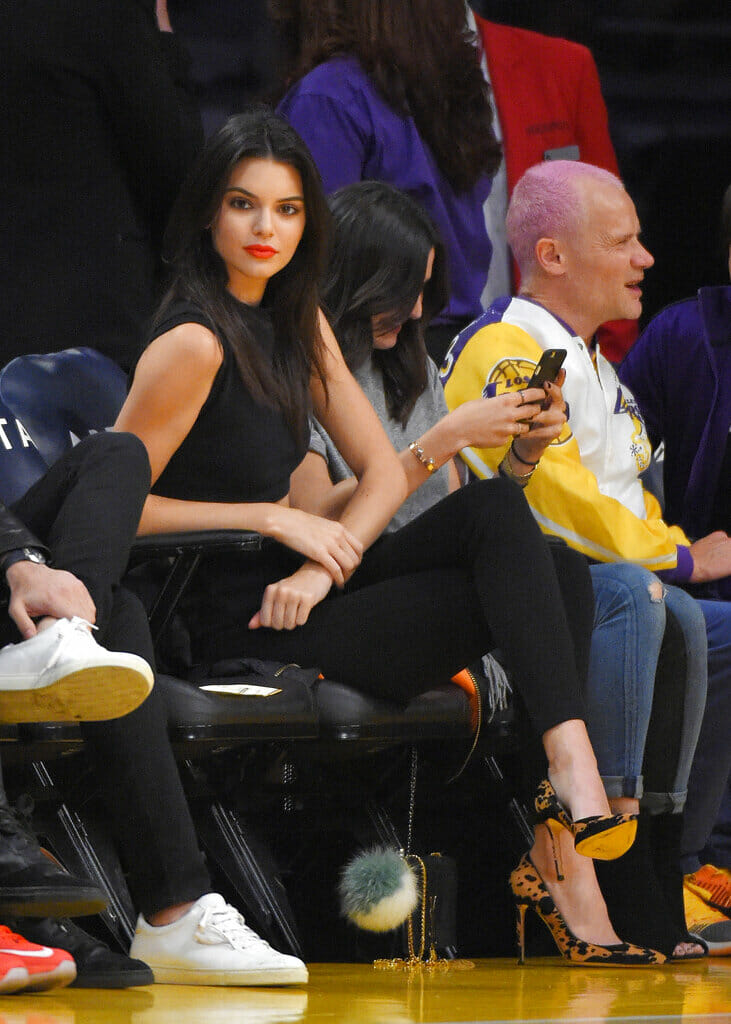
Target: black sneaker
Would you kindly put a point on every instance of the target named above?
(32, 884)
(97, 966)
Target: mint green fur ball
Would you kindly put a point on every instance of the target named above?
(378, 890)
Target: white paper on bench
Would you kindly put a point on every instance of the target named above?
(241, 690)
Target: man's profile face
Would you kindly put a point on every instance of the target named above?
(607, 260)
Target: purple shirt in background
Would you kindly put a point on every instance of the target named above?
(354, 135)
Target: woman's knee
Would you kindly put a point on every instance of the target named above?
(122, 453)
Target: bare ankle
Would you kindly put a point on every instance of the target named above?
(573, 771)
(45, 623)
(168, 915)
(624, 805)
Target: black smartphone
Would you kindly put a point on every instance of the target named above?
(548, 366)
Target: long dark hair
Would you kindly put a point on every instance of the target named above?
(381, 243)
(199, 274)
(423, 61)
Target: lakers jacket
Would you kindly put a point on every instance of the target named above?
(586, 488)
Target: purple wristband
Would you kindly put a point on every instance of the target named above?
(682, 571)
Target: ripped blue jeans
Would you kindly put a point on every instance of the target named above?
(623, 723)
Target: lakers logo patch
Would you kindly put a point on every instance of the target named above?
(508, 375)
(639, 445)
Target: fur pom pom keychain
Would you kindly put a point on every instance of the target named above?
(378, 890)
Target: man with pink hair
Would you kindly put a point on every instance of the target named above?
(574, 233)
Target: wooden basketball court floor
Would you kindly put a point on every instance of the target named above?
(498, 990)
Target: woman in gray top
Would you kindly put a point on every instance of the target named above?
(386, 279)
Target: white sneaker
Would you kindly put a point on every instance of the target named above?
(212, 945)
(63, 675)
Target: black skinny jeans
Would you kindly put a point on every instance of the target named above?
(86, 509)
(472, 573)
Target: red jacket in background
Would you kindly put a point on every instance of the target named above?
(548, 96)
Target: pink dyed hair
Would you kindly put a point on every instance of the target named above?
(546, 203)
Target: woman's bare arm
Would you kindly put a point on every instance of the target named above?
(172, 381)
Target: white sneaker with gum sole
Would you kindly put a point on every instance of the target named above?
(212, 945)
(63, 675)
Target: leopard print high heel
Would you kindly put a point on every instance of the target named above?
(529, 892)
(601, 836)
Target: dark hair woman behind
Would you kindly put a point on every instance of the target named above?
(370, 278)
(393, 91)
(419, 55)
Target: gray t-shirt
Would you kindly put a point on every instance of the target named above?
(430, 407)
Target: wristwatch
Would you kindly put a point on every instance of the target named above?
(9, 558)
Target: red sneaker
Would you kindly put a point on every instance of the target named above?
(32, 968)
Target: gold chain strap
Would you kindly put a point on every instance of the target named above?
(414, 961)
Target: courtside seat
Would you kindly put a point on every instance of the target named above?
(347, 715)
(199, 721)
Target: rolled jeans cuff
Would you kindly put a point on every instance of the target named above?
(618, 785)
(663, 803)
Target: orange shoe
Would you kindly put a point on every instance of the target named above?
(713, 885)
(707, 924)
(31, 968)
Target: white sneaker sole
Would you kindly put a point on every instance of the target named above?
(204, 976)
(82, 693)
(59, 977)
(14, 980)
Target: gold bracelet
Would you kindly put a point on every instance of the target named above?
(506, 470)
(428, 463)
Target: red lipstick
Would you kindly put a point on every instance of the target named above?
(261, 252)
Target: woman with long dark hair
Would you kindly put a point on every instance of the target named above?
(379, 299)
(392, 90)
(224, 440)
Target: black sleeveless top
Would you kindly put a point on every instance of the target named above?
(238, 450)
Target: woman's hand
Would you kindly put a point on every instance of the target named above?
(546, 426)
(329, 543)
(491, 422)
(288, 602)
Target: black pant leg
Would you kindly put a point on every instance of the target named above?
(487, 530)
(425, 603)
(577, 593)
(394, 639)
(665, 729)
(87, 508)
(141, 783)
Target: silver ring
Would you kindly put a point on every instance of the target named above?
(522, 399)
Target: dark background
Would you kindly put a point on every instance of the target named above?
(666, 78)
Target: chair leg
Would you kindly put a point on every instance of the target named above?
(83, 847)
(249, 867)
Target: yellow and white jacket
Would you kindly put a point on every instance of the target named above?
(586, 487)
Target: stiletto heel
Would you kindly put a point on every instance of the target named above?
(602, 836)
(529, 891)
(520, 909)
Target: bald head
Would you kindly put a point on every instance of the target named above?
(549, 202)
